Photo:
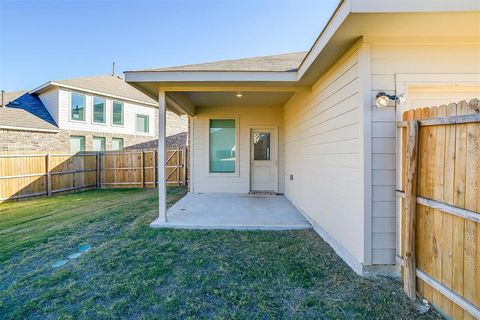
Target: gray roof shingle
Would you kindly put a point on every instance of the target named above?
(109, 85)
(10, 96)
(275, 63)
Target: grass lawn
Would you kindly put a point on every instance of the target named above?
(136, 272)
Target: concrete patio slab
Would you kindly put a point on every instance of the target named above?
(233, 211)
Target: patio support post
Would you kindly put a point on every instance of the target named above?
(162, 192)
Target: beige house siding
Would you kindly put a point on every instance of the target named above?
(324, 153)
(49, 99)
(247, 117)
(388, 61)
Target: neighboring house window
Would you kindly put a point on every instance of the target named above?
(98, 144)
(117, 113)
(98, 110)
(78, 107)
(222, 154)
(142, 123)
(117, 144)
(77, 143)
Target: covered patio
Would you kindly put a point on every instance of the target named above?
(233, 212)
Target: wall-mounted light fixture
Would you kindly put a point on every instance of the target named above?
(239, 95)
(383, 99)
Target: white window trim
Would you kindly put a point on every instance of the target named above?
(70, 107)
(237, 145)
(104, 123)
(104, 142)
(123, 116)
(123, 142)
(84, 142)
(149, 126)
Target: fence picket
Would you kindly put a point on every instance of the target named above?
(446, 248)
(23, 176)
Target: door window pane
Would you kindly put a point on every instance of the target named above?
(261, 146)
(222, 146)
(77, 144)
(117, 113)
(98, 144)
(142, 123)
(117, 144)
(78, 107)
(98, 110)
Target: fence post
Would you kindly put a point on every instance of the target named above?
(142, 160)
(184, 166)
(178, 166)
(98, 171)
(154, 168)
(409, 275)
(49, 176)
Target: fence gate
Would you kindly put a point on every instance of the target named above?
(440, 206)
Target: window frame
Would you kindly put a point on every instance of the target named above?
(237, 149)
(123, 144)
(84, 107)
(148, 121)
(84, 142)
(104, 111)
(123, 114)
(104, 143)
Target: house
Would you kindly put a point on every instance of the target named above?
(306, 125)
(82, 114)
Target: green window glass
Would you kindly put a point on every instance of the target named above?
(98, 144)
(222, 146)
(117, 113)
(98, 110)
(142, 123)
(117, 144)
(78, 107)
(77, 143)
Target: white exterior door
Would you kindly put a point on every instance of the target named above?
(263, 162)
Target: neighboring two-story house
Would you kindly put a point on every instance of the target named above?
(83, 114)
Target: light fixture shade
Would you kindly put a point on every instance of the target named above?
(239, 95)
(382, 101)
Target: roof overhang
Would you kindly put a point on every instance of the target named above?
(51, 84)
(370, 20)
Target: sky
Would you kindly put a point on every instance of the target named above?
(43, 41)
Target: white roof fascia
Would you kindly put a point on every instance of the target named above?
(396, 6)
(209, 76)
(340, 14)
(52, 83)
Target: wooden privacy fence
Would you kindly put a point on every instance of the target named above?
(28, 175)
(440, 201)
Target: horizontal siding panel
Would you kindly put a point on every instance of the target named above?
(383, 161)
(382, 82)
(383, 241)
(383, 130)
(383, 193)
(383, 256)
(383, 225)
(382, 209)
(383, 145)
(383, 177)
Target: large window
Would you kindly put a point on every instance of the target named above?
(117, 113)
(77, 107)
(98, 144)
(142, 123)
(77, 143)
(117, 144)
(222, 146)
(98, 110)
